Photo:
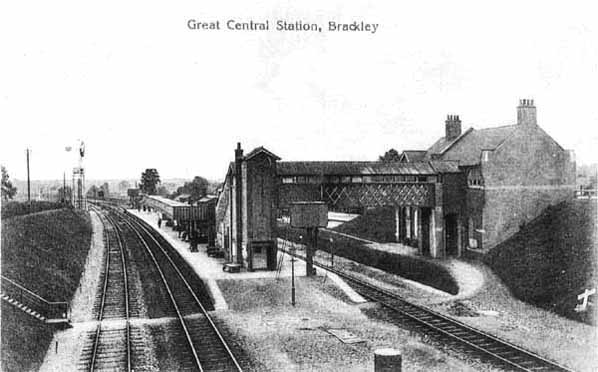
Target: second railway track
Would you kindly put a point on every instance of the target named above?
(449, 331)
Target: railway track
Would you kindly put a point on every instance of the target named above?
(199, 344)
(110, 347)
(458, 335)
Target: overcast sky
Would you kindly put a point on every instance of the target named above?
(142, 90)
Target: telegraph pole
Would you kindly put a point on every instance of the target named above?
(64, 187)
(28, 181)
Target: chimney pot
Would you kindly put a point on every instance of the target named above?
(452, 127)
(526, 112)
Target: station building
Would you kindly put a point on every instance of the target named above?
(468, 192)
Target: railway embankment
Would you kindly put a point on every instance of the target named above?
(44, 252)
(552, 259)
(418, 269)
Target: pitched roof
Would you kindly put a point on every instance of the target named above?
(413, 155)
(259, 150)
(467, 148)
(347, 168)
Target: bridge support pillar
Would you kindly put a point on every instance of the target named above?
(397, 224)
(459, 235)
(420, 237)
(437, 232)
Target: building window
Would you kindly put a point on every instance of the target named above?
(473, 242)
(474, 178)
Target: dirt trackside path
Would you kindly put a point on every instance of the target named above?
(279, 337)
(71, 341)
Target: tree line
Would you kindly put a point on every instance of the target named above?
(197, 188)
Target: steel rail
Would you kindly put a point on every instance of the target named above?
(120, 241)
(434, 314)
(105, 286)
(191, 291)
(170, 294)
(96, 341)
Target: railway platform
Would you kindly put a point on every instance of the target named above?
(209, 269)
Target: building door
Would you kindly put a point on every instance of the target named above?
(425, 224)
(451, 237)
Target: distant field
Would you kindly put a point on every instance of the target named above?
(44, 252)
(552, 259)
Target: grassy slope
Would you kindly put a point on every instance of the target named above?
(377, 224)
(44, 252)
(419, 269)
(552, 259)
(13, 208)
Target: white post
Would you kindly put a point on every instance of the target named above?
(397, 223)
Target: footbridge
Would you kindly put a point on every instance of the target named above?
(259, 188)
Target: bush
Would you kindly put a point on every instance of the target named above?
(418, 269)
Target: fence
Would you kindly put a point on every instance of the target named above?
(48, 309)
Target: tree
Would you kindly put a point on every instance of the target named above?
(64, 194)
(389, 156)
(123, 186)
(8, 190)
(162, 191)
(106, 188)
(149, 181)
(197, 189)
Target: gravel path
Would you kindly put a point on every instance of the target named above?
(280, 337)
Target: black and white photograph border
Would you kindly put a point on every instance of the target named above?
(298, 186)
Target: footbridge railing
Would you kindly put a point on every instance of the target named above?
(53, 311)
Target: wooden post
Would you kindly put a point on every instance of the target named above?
(28, 183)
(387, 360)
(312, 234)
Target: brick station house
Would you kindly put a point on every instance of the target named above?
(467, 192)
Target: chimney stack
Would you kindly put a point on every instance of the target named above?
(238, 152)
(453, 127)
(526, 112)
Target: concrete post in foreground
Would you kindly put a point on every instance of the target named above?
(387, 360)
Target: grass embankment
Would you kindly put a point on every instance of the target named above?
(418, 269)
(377, 224)
(13, 208)
(45, 253)
(552, 259)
